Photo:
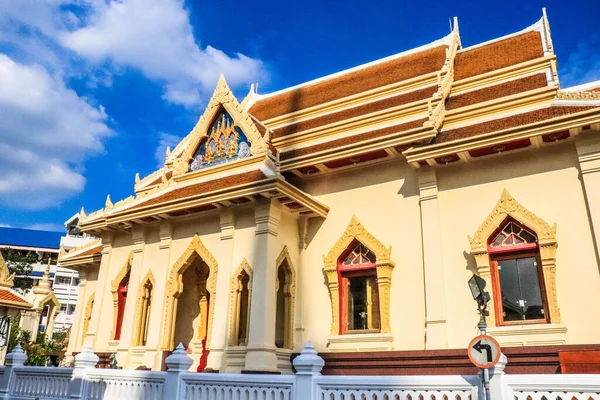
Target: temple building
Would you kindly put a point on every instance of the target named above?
(351, 211)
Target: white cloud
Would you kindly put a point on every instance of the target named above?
(165, 140)
(47, 131)
(583, 65)
(46, 227)
(156, 38)
(5, 225)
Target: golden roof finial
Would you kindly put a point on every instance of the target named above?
(6, 279)
(108, 204)
(43, 285)
(82, 214)
(137, 177)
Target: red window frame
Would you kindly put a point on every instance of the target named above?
(513, 252)
(121, 300)
(351, 271)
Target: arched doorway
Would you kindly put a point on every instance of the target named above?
(188, 306)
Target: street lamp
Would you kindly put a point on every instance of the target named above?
(477, 286)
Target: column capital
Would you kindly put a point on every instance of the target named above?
(428, 185)
(227, 223)
(165, 234)
(267, 214)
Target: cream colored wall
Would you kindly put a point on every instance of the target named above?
(546, 182)
(385, 200)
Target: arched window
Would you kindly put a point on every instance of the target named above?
(142, 317)
(241, 292)
(359, 300)
(517, 275)
(285, 286)
(121, 299)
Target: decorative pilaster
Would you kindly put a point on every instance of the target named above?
(587, 144)
(261, 341)
(436, 329)
(219, 332)
(165, 234)
(102, 287)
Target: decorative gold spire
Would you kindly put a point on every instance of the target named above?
(108, 204)
(43, 286)
(137, 177)
(82, 214)
(6, 279)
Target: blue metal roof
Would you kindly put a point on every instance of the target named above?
(30, 238)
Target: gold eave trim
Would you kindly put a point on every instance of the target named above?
(502, 105)
(14, 304)
(419, 82)
(502, 74)
(217, 196)
(257, 159)
(400, 138)
(77, 262)
(588, 117)
(299, 196)
(397, 114)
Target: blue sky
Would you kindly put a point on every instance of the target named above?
(92, 91)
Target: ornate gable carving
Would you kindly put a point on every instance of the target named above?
(355, 230)
(507, 206)
(222, 99)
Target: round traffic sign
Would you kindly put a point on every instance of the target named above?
(484, 351)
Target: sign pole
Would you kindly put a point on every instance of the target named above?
(485, 372)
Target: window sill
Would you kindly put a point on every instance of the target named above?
(530, 334)
(360, 342)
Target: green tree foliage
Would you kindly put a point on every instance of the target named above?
(41, 352)
(20, 262)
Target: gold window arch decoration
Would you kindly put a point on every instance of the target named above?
(384, 267)
(235, 300)
(115, 289)
(143, 309)
(195, 250)
(507, 206)
(290, 295)
(87, 316)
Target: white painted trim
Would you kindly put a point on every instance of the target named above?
(538, 26)
(446, 40)
(583, 87)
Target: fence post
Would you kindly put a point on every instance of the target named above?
(498, 390)
(15, 358)
(308, 366)
(177, 363)
(84, 361)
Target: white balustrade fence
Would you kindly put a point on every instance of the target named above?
(84, 382)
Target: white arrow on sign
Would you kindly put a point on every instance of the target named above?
(484, 351)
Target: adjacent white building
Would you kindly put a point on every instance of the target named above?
(47, 245)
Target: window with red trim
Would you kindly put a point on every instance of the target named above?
(359, 299)
(121, 299)
(517, 276)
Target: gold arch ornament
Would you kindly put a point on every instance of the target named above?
(284, 256)
(384, 267)
(506, 207)
(115, 288)
(138, 318)
(195, 250)
(234, 311)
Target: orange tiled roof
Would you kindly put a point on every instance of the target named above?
(375, 76)
(509, 122)
(378, 133)
(497, 91)
(8, 295)
(375, 106)
(204, 187)
(496, 55)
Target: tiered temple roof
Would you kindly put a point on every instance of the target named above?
(434, 105)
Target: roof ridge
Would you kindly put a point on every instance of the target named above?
(254, 97)
(537, 26)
